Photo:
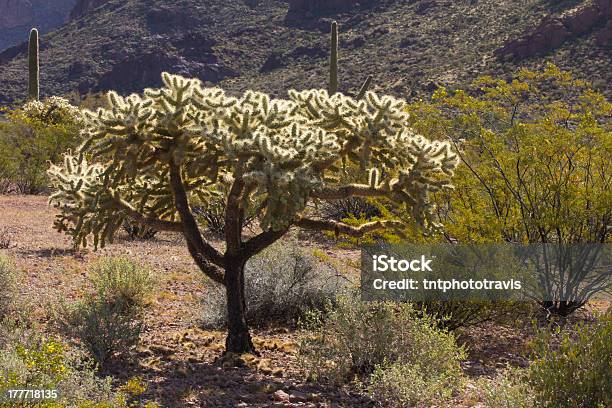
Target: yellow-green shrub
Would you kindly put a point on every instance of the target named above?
(577, 372)
(32, 135)
(109, 321)
(399, 356)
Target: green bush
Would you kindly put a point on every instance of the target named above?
(281, 284)
(103, 327)
(7, 286)
(31, 136)
(121, 280)
(109, 321)
(509, 389)
(573, 368)
(29, 360)
(400, 357)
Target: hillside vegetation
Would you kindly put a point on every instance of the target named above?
(409, 46)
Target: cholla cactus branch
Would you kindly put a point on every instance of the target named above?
(189, 225)
(339, 228)
(283, 150)
(153, 223)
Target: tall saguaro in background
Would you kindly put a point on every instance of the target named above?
(33, 67)
(332, 87)
(333, 60)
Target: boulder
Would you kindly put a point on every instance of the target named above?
(581, 22)
(552, 32)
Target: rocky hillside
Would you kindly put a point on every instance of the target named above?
(18, 16)
(409, 46)
(83, 7)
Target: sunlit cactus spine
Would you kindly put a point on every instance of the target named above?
(33, 66)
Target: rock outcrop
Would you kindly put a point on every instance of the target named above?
(554, 31)
(15, 13)
(83, 7)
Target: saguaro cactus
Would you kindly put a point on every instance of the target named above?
(333, 67)
(33, 66)
(333, 60)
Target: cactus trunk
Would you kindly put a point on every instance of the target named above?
(33, 67)
(238, 337)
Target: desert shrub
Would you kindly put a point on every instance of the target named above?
(401, 358)
(109, 321)
(508, 389)
(103, 327)
(522, 142)
(137, 231)
(572, 367)
(32, 135)
(352, 207)
(121, 280)
(282, 283)
(29, 360)
(212, 214)
(7, 286)
(6, 236)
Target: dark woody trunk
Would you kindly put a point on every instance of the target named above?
(238, 336)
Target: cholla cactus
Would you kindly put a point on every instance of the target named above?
(53, 110)
(157, 152)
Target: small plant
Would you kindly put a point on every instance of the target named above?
(7, 286)
(137, 231)
(576, 373)
(401, 358)
(453, 315)
(5, 238)
(103, 327)
(109, 322)
(401, 385)
(282, 284)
